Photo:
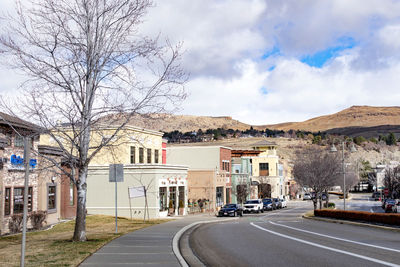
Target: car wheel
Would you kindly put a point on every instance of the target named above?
(241, 214)
(262, 211)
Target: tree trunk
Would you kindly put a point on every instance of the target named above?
(315, 203)
(320, 202)
(80, 221)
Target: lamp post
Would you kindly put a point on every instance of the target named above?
(352, 149)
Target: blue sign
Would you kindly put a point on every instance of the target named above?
(19, 161)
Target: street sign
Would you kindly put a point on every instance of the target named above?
(116, 173)
(138, 191)
(386, 191)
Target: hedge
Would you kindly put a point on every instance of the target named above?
(392, 219)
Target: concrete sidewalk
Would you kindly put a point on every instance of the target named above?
(151, 246)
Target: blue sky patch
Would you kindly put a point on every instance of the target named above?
(273, 52)
(264, 90)
(320, 58)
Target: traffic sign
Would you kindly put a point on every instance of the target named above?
(386, 191)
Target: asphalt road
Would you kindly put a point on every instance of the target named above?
(284, 238)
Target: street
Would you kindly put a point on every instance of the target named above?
(284, 238)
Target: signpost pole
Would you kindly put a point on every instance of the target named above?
(130, 204)
(116, 207)
(27, 148)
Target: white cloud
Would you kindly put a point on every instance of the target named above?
(224, 41)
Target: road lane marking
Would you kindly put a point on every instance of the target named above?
(337, 238)
(327, 248)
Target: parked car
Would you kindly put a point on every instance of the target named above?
(324, 196)
(284, 202)
(253, 205)
(278, 203)
(307, 196)
(376, 196)
(231, 210)
(390, 203)
(268, 204)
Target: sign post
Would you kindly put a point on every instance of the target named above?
(139, 191)
(116, 175)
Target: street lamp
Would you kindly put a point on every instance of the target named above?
(352, 149)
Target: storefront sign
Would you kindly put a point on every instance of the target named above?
(17, 162)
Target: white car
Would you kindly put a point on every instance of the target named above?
(284, 203)
(253, 205)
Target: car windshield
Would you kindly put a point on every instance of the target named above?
(276, 200)
(229, 206)
(267, 200)
(252, 202)
(390, 201)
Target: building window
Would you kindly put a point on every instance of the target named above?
(156, 156)
(71, 193)
(141, 155)
(7, 201)
(19, 200)
(263, 166)
(51, 197)
(149, 155)
(163, 199)
(220, 196)
(18, 141)
(133, 159)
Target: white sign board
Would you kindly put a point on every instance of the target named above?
(137, 191)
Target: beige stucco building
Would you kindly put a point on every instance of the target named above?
(209, 172)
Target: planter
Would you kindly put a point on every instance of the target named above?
(171, 211)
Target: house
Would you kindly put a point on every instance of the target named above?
(44, 181)
(143, 155)
(209, 174)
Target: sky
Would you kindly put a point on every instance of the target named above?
(268, 61)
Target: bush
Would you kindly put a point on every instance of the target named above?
(181, 204)
(37, 219)
(15, 223)
(392, 219)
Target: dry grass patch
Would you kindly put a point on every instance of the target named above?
(55, 248)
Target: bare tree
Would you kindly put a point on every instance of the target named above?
(264, 188)
(241, 189)
(392, 181)
(88, 67)
(316, 169)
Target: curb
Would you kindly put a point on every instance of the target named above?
(351, 223)
(178, 235)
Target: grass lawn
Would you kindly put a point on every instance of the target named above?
(55, 248)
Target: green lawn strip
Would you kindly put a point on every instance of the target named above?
(55, 248)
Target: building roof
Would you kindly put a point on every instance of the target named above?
(264, 143)
(6, 119)
(245, 152)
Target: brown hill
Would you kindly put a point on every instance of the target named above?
(182, 123)
(355, 116)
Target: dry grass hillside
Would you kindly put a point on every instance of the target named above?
(355, 116)
(287, 148)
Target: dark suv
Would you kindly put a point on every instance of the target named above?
(278, 203)
(231, 210)
(269, 204)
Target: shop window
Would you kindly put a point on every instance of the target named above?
(133, 154)
(19, 200)
(220, 196)
(51, 197)
(149, 155)
(163, 199)
(156, 156)
(141, 155)
(7, 201)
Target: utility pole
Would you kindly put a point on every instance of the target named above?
(27, 151)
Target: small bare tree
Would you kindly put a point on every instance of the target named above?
(392, 181)
(316, 169)
(241, 189)
(88, 67)
(264, 188)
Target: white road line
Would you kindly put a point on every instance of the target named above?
(327, 248)
(337, 238)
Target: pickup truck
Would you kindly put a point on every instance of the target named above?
(253, 205)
